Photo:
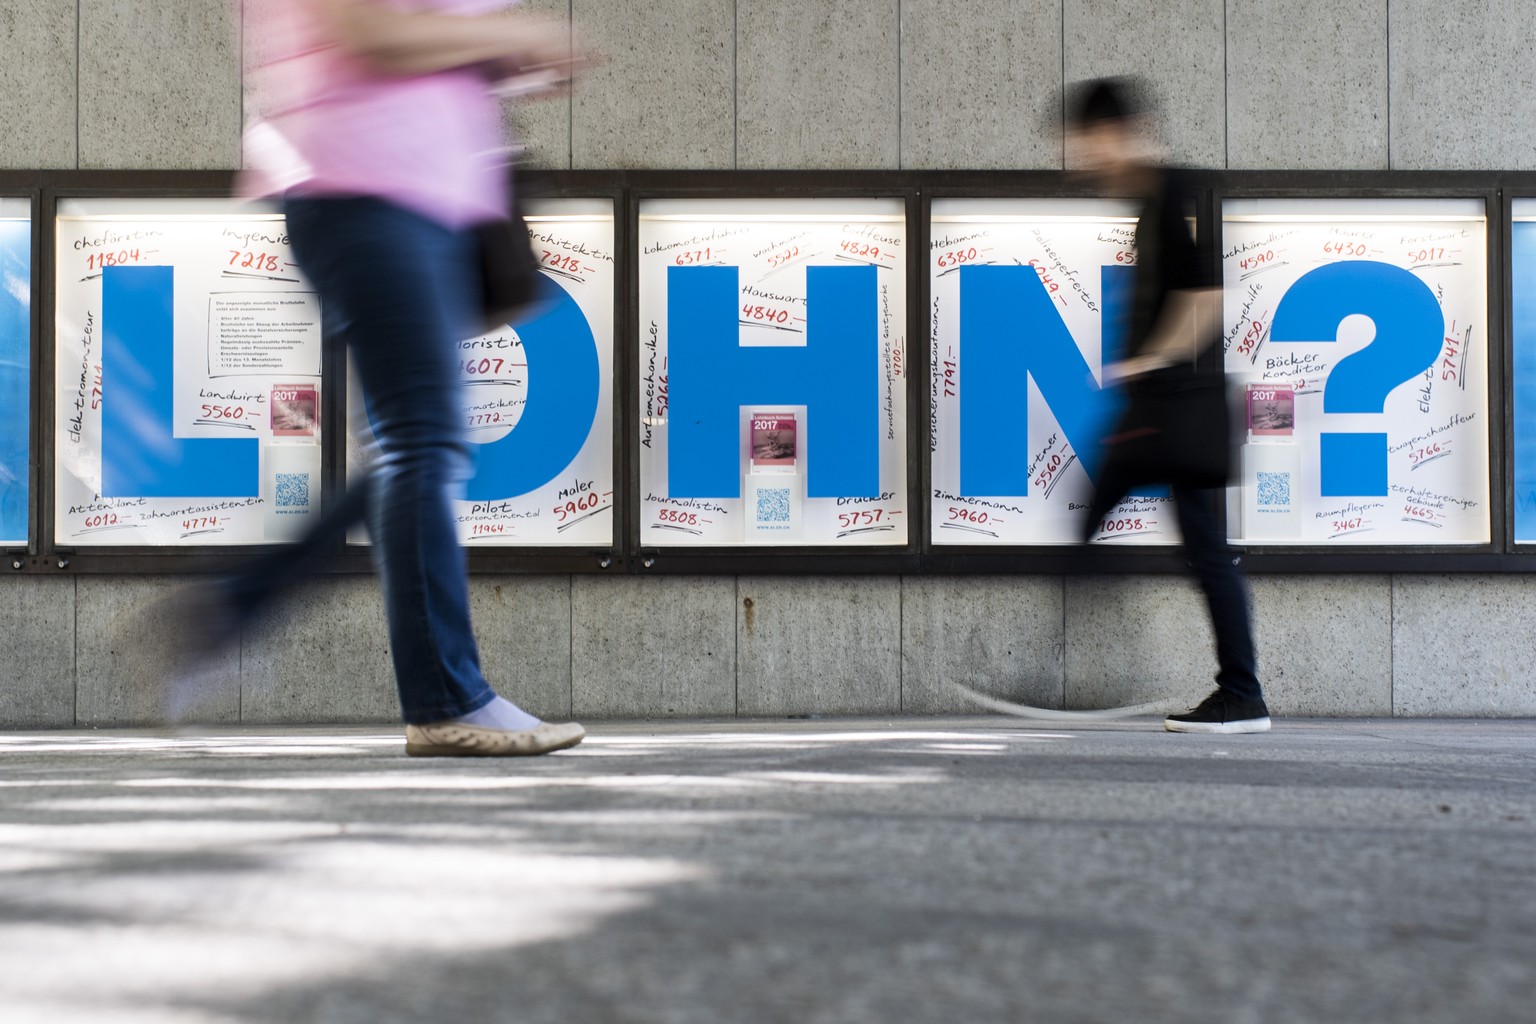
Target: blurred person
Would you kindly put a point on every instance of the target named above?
(1175, 314)
(381, 134)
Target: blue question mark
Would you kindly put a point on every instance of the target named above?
(1409, 331)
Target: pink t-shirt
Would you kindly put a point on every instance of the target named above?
(329, 125)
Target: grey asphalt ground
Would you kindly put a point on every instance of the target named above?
(976, 869)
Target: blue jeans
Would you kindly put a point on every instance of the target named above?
(1218, 569)
(400, 290)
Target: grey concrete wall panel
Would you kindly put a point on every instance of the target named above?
(818, 83)
(666, 97)
(38, 79)
(523, 624)
(1463, 85)
(37, 646)
(1134, 639)
(1001, 635)
(320, 655)
(1307, 84)
(810, 645)
(127, 639)
(1177, 46)
(1324, 644)
(653, 647)
(160, 84)
(543, 127)
(981, 84)
(1464, 645)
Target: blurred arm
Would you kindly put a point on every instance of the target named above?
(1190, 320)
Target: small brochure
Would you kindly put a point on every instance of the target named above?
(773, 440)
(1271, 410)
(295, 410)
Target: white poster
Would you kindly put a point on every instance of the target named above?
(538, 396)
(772, 390)
(1017, 351)
(186, 375)
(1368, 320)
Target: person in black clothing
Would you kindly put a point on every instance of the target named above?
(1175, 314)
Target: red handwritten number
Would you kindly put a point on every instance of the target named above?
(967, 515)
(96, 261)
(688, 259)
(1049, 470)
(672, 515)
(484, 366)
(957, 257)
(1419, 455)
(865, 517)
(765, 314)
(779, 259)
(254, 260)
(571, 508)
(1346, 248)
(105, 519)
(224, 412)
(951, 377)
(561, 261)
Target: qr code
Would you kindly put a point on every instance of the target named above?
(1274, 490)
(292, 490)
(773, 504)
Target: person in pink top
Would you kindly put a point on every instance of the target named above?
(380, 132)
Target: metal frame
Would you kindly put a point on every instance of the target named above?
(917, 189)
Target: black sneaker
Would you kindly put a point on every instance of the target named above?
(1218, 713)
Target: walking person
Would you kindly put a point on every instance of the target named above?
(382, 137)
(1175, 429)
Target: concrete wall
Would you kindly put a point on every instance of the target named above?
(87, 653)
(847, 84)
(1373, 84)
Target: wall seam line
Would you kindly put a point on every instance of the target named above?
(736, 647)
(1063, 35)
(1226, 86)
(77, 86)
(1392, 644)
(570, 99)
(901, 644)
(75, 660)
(570, 646)
(736, 91)
(1063, 641)
(901, 86)
(1388, 28)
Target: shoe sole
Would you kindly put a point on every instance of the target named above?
(475, 742)
(1219, 728)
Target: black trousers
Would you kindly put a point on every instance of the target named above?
(1219, 571)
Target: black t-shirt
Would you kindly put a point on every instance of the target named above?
(1167, 256)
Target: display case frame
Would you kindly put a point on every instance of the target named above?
(917, 190)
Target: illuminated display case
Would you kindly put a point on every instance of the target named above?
(1364, 325)
(772, 383)
(538, 397)
(1029, 302)
(185, 342)
(15, 368)
(1523, 341)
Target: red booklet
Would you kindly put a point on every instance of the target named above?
(1271, 410)
(773, 439)
(295, 410)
